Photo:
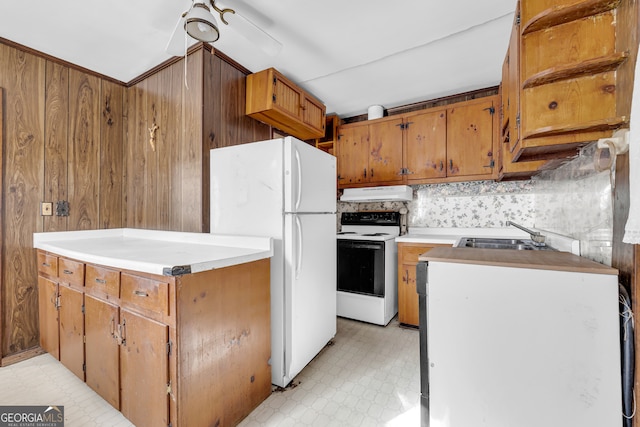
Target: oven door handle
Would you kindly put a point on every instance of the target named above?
(299, 249)
(354, 244)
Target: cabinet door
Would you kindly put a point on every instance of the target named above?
(408, 308)
(426, 146)
(48, 311)
(470, 138)
(313, 114)
(144, 365)
(287, 97)
(102, 352)
(353, 147)
(71, 330)
(385, 151)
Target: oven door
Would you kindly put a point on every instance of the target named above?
(361, 267)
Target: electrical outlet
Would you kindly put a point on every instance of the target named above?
(46, 208)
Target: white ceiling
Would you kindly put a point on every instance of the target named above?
(349, 54)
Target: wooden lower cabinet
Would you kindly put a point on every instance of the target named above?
(144, 370)
(408, 254)
(48, 316)
(102, 352)
(71, 329)
(187, 350)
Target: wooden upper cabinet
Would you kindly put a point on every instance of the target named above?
(510, 111)
(451, 143)
(277, 101)
(425, 153)
(470, 131)
(352, 157)
(385, 151)
(569, 57)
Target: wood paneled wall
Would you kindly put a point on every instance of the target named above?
(62, 141)
(72, 135)
(167, 184)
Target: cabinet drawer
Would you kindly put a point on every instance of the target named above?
(47, 264)
(143, 294)
(71, 272)
(103, 282)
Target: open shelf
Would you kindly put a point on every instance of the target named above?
(595, 126)
(564, 72)
(560, 14)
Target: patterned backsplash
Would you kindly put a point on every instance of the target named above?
(573, 200)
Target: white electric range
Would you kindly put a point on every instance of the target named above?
(368, 266)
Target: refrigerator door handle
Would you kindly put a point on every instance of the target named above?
(299, 174)
(299, 249)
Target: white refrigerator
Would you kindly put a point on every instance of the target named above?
(285, 189)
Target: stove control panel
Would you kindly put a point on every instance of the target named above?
(370, 218)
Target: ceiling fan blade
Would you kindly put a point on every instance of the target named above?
(253, 33)
(176, 44)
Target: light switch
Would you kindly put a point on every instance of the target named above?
(46, 208)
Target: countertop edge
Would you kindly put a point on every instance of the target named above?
(256, 248)
(537, 260)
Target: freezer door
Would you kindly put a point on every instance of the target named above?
(310, 288)
(246, 189)
(309, 178)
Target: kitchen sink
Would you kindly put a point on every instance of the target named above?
(494, 243)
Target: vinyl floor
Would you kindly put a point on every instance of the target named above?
(369, 375)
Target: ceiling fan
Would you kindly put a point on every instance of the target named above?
(199, 23)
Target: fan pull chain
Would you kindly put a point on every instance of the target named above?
(185, 60)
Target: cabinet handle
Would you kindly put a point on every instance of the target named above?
(67, 271)
(122, 340)
(46, 264)
(101, 281)
(365, 172)
(406, 277)
(371, 172)
(141, 293)
(113, 328)
(441, 165)
(451, 165)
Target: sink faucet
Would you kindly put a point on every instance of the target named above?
(535, 235)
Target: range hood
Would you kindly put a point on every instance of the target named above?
(392, 193)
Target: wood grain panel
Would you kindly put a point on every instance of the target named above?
(151, 151)
(144, 366)
(111, 156)
(164, 112)
(102, 350)
(191, 154)
(135, 155)
(71, 330)
(22, 76)
(48, 316)
(84, 150)
(173, 133)
(56, 142)
(229, 339)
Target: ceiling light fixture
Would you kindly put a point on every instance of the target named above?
(200, 23)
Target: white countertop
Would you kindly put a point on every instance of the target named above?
(166, 253)
(452, 235)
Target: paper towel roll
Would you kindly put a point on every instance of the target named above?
(375, 112)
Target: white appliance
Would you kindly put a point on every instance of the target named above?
(368, 266)
(520, 347)
(285, 189)
(394, 193)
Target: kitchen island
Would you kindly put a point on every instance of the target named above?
(170, 328)
(518, 337)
